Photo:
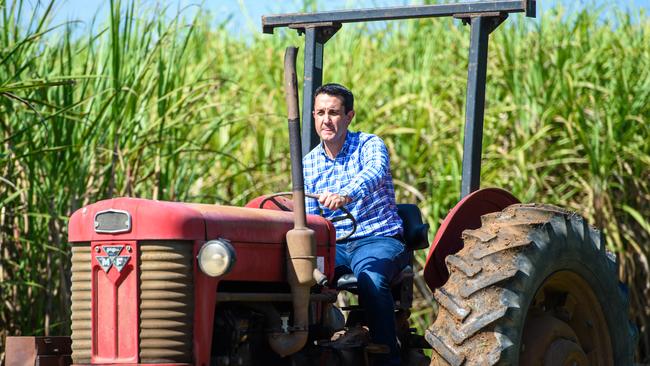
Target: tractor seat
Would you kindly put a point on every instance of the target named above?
(348, 281)
(416, 236)
(416, 232)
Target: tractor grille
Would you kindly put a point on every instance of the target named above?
(166, 301)
(81, 323)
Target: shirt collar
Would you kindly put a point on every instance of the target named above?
(346, 145)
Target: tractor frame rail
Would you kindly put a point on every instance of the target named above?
(482, 16)
(298, 20)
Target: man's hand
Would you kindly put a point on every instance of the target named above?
(333, 200)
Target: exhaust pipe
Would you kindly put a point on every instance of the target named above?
(301, 243)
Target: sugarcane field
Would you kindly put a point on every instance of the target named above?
(386, 182)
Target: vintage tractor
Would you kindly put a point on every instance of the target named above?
(158, 282)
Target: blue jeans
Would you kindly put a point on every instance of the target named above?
(375, 261)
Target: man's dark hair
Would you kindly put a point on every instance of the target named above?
(337, 90)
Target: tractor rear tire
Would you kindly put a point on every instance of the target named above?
(534, 285)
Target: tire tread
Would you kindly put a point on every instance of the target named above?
(481, 305)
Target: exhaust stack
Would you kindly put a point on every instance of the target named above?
(301, 243)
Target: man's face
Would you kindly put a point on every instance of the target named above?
(330, 118)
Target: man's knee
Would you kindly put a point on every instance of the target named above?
(373, 283)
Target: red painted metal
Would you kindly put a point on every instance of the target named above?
(134, 364)
(257, 235)
(150, 220)
(259, 239)
(465, 215)
(269, 205)
(247, 225)
(160, 220)
(205, 301)
(114, 307)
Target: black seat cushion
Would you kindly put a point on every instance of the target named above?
(348, 281)
(416, 232)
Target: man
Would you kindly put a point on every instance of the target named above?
(352, 169)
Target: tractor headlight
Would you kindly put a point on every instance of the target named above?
(216, 257)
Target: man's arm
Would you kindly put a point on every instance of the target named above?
(376, 165)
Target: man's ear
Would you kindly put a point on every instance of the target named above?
(350, 115)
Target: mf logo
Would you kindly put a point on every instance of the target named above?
(113, 258)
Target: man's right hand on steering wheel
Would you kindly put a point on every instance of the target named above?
(337, 199)
(333, 201)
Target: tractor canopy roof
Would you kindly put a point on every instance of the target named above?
(482, 16)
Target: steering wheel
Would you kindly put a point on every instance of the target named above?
(347, 215)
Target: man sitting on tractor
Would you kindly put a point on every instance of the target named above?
(352, 169)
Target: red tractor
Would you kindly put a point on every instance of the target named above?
(178, 283)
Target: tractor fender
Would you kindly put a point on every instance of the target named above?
(465, 215)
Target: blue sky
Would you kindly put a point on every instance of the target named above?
(245, 15)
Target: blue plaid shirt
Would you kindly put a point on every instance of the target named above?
(361, 171)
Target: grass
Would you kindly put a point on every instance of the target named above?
(174, 108)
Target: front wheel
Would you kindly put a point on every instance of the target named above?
(533, 285)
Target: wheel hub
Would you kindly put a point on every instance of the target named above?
(565, 325)
(566, 353)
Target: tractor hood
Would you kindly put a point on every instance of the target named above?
(142, 219)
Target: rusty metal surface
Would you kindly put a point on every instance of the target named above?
(81, 298)
(42, 351)
(166, 301)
